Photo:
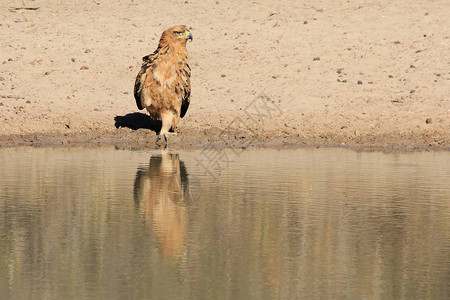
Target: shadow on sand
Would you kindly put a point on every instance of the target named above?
(137, 121)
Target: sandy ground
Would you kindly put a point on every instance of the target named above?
(339, 73)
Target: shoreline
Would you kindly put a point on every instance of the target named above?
(124, 138)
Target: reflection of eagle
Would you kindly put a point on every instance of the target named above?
(161, 194)
(163, 84)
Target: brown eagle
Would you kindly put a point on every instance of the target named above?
(163, 85)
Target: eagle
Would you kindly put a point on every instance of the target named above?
(163, 84)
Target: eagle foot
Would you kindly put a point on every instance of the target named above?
(166, 137)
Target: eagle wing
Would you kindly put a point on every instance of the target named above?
(139, 84)
(186, 90)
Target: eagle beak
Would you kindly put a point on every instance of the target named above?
(189, 35)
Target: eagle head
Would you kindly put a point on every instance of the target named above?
(179, 34)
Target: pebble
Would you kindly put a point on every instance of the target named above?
(316, 58)
(359, 82)
(28, 101)
(390, 76)
(429, 121)
(84, 68)
(73, 59)
(1, 104)
(21, 20)
(223, 75)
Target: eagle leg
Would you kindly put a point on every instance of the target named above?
(167, 121)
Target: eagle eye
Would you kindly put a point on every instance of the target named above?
(178, 32)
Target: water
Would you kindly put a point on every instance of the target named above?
(289, 224)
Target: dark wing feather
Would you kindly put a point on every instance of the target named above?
(147, 62)
(186, 91)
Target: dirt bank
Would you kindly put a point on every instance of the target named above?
(359, 74)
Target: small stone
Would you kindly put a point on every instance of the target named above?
(390, 76)
(84, 68)
(370, 82)
(2, 79)
(73, 59)
(87, 51)
(10, 59)
(305, 22)
(274, 77)
(429, 121)
(47, 73)
(21, 20)
(359, 82)
(223, 75)
(316, 58)
(1, 104)
(28, 101)
(412, 66)
(412, 91)
(299, 70)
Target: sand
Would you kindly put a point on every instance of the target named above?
(367, 74)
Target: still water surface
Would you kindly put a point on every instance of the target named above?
(290, 224)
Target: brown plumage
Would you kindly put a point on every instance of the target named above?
(163, 85)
